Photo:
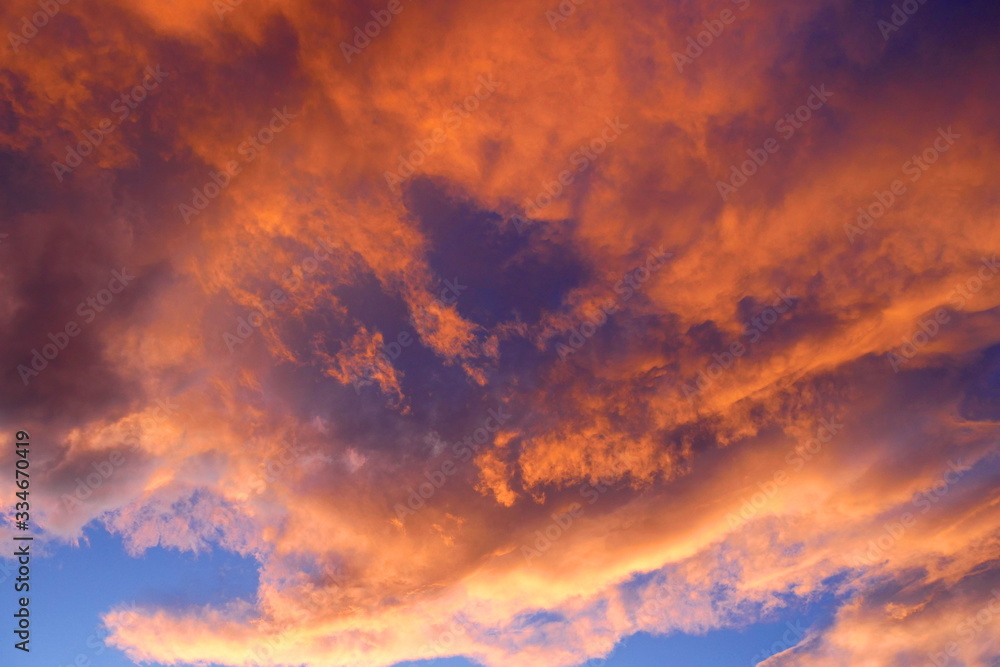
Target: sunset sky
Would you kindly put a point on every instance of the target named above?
(513, 334)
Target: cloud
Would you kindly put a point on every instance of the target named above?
(369, 317)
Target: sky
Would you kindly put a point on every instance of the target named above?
(502, 334)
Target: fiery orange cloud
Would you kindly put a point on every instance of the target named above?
(740, 302)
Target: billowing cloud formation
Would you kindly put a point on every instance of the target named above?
(510, 330)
